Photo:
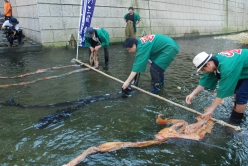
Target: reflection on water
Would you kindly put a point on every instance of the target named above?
(130, 119)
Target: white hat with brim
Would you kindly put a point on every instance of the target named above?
(201, 59)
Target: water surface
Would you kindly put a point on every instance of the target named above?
(131, 119)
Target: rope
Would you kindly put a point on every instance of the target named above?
(159, 97)
(38, 71)
(41, 79)
(221, 122)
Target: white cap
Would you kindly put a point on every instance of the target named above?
(201, 59)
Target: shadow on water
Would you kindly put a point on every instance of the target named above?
(131, 119)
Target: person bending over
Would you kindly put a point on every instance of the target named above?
(228, 69)
(95, 38)
(159, 50)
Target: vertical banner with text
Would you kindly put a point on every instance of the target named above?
(85, 18)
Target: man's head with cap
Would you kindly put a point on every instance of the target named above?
(201, 59)
(13, 21)
(89, 32)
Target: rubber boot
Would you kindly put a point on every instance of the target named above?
(236, 117)
(126, 92)
(161, 76)
(106, 56)
(155, 87)
(135, 81)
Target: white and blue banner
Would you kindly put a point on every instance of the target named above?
(85, 20)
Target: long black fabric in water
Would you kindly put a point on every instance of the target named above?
(61, 114)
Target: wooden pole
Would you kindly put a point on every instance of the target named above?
(159, 97)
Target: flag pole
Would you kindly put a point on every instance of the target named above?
(80, 17)
(86, 14)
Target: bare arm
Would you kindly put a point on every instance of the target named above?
(217, 101)
(3, 26)
(129, 79)
(14, 33)
(198, 89)
(137, 22)
(97, 47)
(91, 49)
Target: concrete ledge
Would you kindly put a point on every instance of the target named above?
(20, 49)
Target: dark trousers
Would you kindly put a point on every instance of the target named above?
(157, 74)
(7, 17)
(18, 36)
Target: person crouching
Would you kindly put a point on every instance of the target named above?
(12, 31)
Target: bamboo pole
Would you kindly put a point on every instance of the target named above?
(159, 97)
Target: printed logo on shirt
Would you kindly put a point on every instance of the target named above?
(96, 27)
(147, 38)
(230, 53)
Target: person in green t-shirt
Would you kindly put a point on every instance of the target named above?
(159, 50)
(132, 19)
(228, 69)
(95, 38)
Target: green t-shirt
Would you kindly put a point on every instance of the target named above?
(233, 66)
(136, 18)
(103, 36)
(160, 49)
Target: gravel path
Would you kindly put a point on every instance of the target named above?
(240, 37)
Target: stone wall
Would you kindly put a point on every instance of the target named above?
(51, 22)
(1, 7)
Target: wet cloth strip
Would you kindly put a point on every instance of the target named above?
(42, 79)
(40, 71)
(179, 129)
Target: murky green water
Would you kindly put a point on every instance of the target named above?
(131, 119)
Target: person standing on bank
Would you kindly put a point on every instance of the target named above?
(132, 19)
(95, 38)
(228, 69)
(7, 11)
(159, 50)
